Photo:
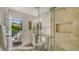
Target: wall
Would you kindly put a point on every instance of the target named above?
(26, 18)
(67, 29)
(1, 15)
(1, 22)
(6, 13)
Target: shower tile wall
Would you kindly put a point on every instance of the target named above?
(67, 29)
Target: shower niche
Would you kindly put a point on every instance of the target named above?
(64, 27)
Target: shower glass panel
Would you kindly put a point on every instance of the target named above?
(46, 28)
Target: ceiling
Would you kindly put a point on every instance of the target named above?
(31, 10)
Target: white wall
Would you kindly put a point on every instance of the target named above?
(26, 18)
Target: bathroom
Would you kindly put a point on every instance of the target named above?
(39, 28)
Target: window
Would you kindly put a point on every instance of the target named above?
(16, 26)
